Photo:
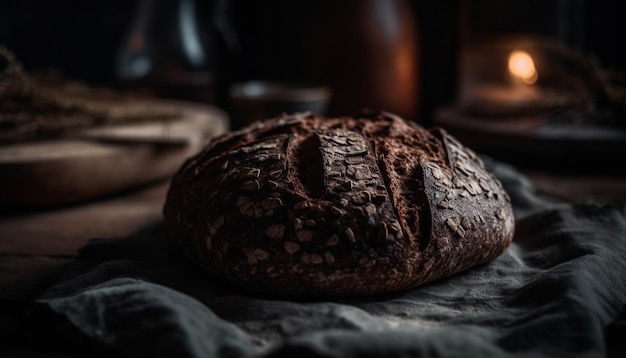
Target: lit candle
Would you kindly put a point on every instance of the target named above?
(517, 89)
(523, 76)
(521, 66)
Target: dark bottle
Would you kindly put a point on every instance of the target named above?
(174, 49)
(367, 51)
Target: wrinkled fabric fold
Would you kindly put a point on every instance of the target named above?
(551, 294)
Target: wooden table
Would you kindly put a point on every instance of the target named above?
(36, 246)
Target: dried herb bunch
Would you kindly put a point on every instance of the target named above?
(36, 105)
(599, 95)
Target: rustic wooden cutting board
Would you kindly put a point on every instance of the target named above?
(99, 161)
(546, 141)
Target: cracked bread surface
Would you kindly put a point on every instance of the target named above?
(303, 205)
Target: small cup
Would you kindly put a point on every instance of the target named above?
(257, 100)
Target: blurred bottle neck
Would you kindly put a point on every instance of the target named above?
(174, 48)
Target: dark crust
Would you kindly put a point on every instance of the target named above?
(301, 205)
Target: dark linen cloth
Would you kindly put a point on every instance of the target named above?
(551, 294)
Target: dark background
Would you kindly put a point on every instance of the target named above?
(81, 38)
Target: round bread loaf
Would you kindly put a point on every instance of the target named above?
(339, 206)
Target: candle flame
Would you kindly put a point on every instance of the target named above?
(522, 65)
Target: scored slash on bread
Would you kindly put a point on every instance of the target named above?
(303, 205)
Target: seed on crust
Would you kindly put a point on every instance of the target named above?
(304, 235)
(500, 214)
(301, 205)
(466, 223)
(251, 185)
(335, 210)
(362, 174)
(366, 262)
(261, 254)
(350, 234)
(271, 203)
(383, 232)
(362, 198)
(455, 227)
(311, 259)
(242, 200)
(316, 259)
(297, 224)
(337, 140)
(353, 160)
(216, 225)
(316, 208)
(250, 173)
(483, 184)
(277, 156)
(291, 247)
(219, 222)
(247, 209)
(275, 231)
(252, 210)
(473, 188)
(272, 184)
(329, 258)
(465, 166)
(437, 173)
(369, 210)
(332, 240)
(346, 185)
(396, 229)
